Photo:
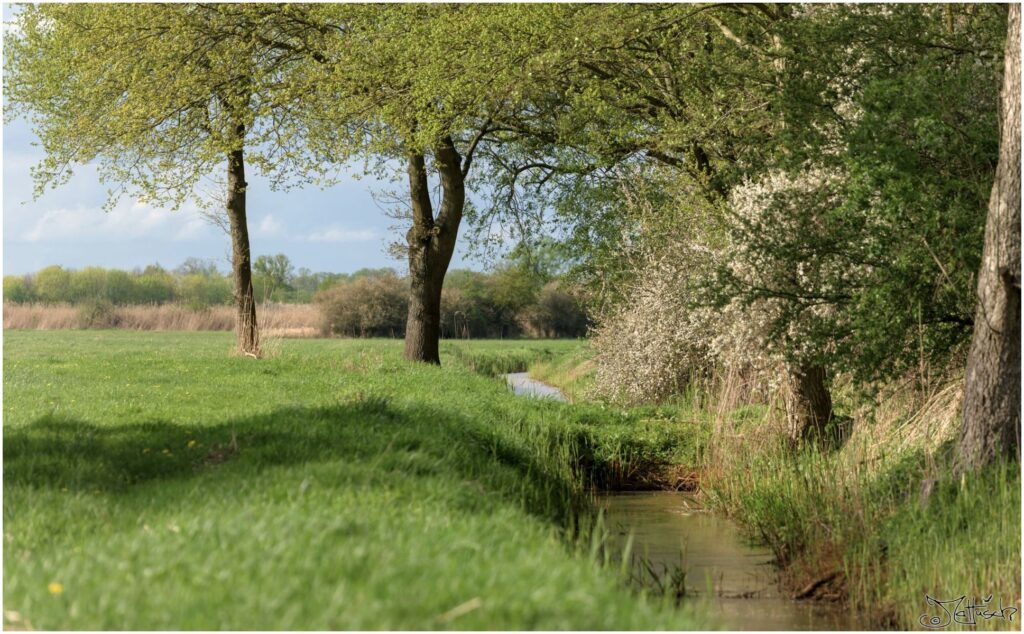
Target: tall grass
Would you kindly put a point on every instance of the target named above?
(880, 519)
(497, 358)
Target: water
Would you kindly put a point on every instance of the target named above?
(523, 385)
(736, 581)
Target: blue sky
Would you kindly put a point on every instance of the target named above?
(339, 229)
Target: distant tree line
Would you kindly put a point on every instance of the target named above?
(513, 299)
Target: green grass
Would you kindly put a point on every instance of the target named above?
(497, 358)
(164, 483)
(572, 372)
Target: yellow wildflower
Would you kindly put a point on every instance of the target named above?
(55, 588)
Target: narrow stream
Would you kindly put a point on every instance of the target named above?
(523, 385)
(671, 531)
(736, 580)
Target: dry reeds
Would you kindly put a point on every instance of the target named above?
(280, 320)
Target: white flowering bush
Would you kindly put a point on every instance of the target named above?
(675, 325)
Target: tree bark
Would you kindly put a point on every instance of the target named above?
(991, 411)
(431, 245)
(246, 329)
(809, 407)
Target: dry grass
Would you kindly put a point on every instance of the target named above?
(905, 416)
(276, 320)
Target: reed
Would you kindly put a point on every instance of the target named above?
(276, 320)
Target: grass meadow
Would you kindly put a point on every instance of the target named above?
(155, 481)
(152, 480)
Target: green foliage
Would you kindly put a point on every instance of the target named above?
(556, 312)
(89, 283)
(120, 287)
(155, 94)
(272, 275)
(16, 289)
(200, 291)
(52, 284)
(871, 268)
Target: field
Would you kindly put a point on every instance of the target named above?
(153, 481)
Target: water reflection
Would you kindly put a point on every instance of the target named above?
(523, 385)
(736, 580)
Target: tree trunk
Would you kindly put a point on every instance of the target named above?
(809, 407)
(245, 324)
(991, 425)
(431, 244)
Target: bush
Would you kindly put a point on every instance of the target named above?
(200, 291)
(556, 313)
(97, 313)
(88, 284)
(16, 289)
(53, 284)
(154, 286)
(367, 307)
(120, 287)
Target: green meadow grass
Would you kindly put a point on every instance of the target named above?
(496, 358)
(153, 480)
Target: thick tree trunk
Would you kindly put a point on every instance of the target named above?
(991, 425)
(245, 324)
(423, 328)
(431, 244)
(809, 407)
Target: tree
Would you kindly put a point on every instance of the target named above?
(991, 410)
(89, 283)
(696, 89)
(893, 104)
(197, 266)
(17, 289)
(275, 274)
(52, 284)
(163, 96)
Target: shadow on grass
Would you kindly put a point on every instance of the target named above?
(539, 466)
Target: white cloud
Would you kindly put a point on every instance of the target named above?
(269, 226)
(335, 233)
(129, 220)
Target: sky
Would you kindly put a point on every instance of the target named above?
(340, 229)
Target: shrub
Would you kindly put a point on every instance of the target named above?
(97, 313)
(120, 287)
(556, 313)
(367, 307)
(16, 289)
(88, 284)
(154, 286)
(52, 284)
(200, 291)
